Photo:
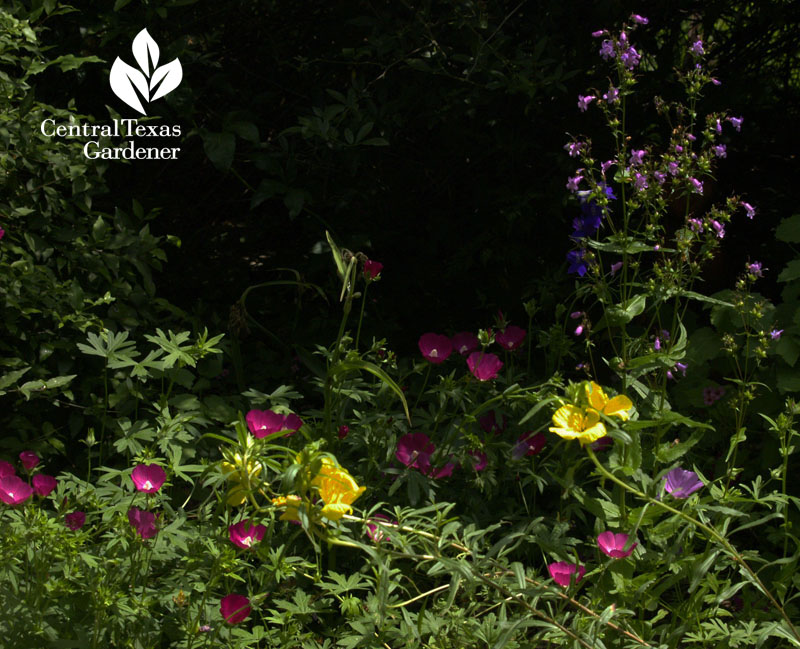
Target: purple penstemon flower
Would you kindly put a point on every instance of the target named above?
(696, 48)
(639, 20)
(720, 151)
(775, 334)
(695, 225)
(607, 50)
(598, 33)
(660, 176)
(755, 269)
(605, 165)
(615, 268)
(641, 182)
(697, 186)
(672, 167)
(573, 148)
(572, 182)
(719, 228)
(718, 127)
(682, 484)
(630, 58)
(612, 95)
(749, 209)
(637, 156)
(737, 122)
(584, 101)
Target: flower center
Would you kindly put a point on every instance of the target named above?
(147, 485)
(434, 353)
(248, 541)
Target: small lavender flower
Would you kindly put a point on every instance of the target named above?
(573, 148)
(750, 210)
(755, 269)
(572, 183)
(697, 48)
(718, 228)
(681, 367)
(607, 50)
(630, 58)
(690, 137)
(718, 127)
(661, 177)
(737, 122)
(637, 156)
(576, 314)
(640, 20)
(605, 165)
(578, 330)
(615, 268)
(682, 484)
(697, 186)
(695, 225)
(657, 344)
(598, 33)
(612, 95)
(672, 167)
(716, 82)
(775, 334)
(584, 101)
(678, 148)
(641, 182)
(720, 151)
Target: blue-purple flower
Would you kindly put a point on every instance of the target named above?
(737, 122)
(749, 209)
(583, 102)
(720, 151)
(640, 183)
(640, 20)
(607, 50)
(637, 156)
(682, 484)
(775, 334)
(576, 262)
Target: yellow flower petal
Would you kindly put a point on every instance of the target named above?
(619, 406)
(336, 485)
(574, 423)
(335, 512)
(597, 398)
(291, 503)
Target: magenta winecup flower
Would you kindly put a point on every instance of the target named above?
(415, 450)
(511, 338)
(376, 532)
(14, 490)
(234, 608)
(528, 444)
(75, 520)
(6, 469)
(43, 484)
(562, 572)
(484, 366)
(29, 459)
(465, 342)
(266, 422)
(435, 348)
(148, 477)
(243, 534)
(143, 521)
(372, 268)
(614, 545)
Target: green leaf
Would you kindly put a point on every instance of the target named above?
(791, 272)
(699, 297)
(789, 229)
(12, 377)
(50, 384)
(356, 365)
(220, 148)
(623, 313)
(620, 246)
(337, 255)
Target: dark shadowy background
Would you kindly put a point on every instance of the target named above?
(427, 134)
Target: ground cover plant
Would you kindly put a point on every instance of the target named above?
(616, 473)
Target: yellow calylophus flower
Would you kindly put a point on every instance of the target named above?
(337, 488)
(619, 405)
(291, 503)
(572, 422)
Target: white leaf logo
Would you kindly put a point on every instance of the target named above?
(126, 80)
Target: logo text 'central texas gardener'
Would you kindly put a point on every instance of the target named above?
(137, 88)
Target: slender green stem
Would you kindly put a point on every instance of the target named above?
(361, 315)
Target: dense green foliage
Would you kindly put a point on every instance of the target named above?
(271, 370)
